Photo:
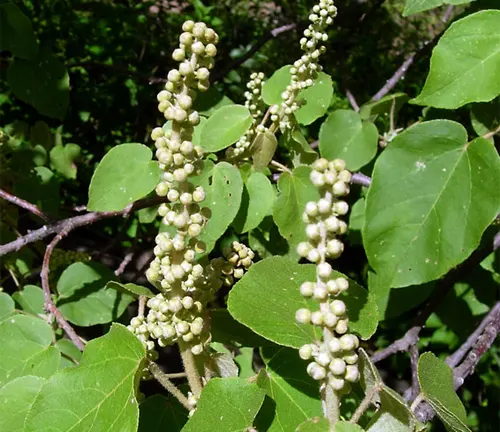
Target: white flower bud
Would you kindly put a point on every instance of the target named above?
(303, 249)
(341, 208)
(349, 342)
(197, 349)
(194, 230)
(338, 307)
(185, 69)
(305, 352)
(317, 318)
(337, 366)
(188, 26)
(311, 209)
(340, 189)
(186, 198)
(198, 30)
(336, 383)
(350, 358)
(345, 176)
(182, 327)
(198, 48)
(324, 270)
(324, 206)
(320, 292)
(157, 133)
(162, 189)
(210, 50)
(197, 326)
(334, 248)
(202, 74)
(199, 195)
(179, 55)
(303, 316)
(342, 326)
(338, 165)
(332, 287)
(334, 345)
(312, 231)
(352, 373)
(180, 175)
(174, 76)
(317, 179)
(307, 289)
(314, 256)
(332, 224)
(330, 319)
(315, 371)
(323, 359)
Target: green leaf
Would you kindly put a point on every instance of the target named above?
(40, 135)
(256, 203)
(485, 117)
(6, 306)
(244, 360)
(83, 297)
(26, 348)
(224, 127)
(223, 198)
(131, 289)
(436, 383)
(158, 413)
(100, 392)
(16, 32)
(393, 102)
(370, 377)
(415, 6)
(40, 187)
(317, 99)
(465, 63)
(223, 365)
(125, 174)
(294, 392)
(432, 196)
(316, 424)
(274, 86)
(16, 398)
(206, 103)
(393, 415)
(30, 299)
(300, 151)
(62, 159)
(42, 83)
(344, 426)
(268, 296)
(263, 149)
(226, 404)
(343, 135)
(295, 191)
(71, 355)
(225, 329)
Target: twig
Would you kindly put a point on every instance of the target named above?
(460, 353)
(189, 363)
(49, 305)
(162, 378)
(281, 166)
(218, 75)
(361, 179)
(125, 262)
(32, 208)
(413, 390)
(75, 222)
(492, 133)
(142, 306)
(444, 286)
(365, 404)
(401, 71)
(352, 100)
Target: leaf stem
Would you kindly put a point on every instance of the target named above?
(491, 133)
(365, 404)
(331, 405)
(163, 379)
(190, 368)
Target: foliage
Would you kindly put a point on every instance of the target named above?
(318, 264)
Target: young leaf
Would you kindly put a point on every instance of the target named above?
(295, 190)
(30, 299)
(384, 106)
(83, 298)
(432, 195)
(42, 83)
(316, 99)
(224, 127)
(130, 288)
(223, 199)
(26, 348)
(226, 404)
(294, 392)
(125, 174)
(343, 135)
(6, 305)
(464, 63)
(16, 398)
(257, 201)
(274, 86)
(415, 6)
(263, 149)
(16, 32)
(158, 413)
(316, 424)
(62, 159)
(100, 391)
(436, 382)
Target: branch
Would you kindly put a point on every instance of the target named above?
(218, 75)
(75, 222)
(49, 305)
(401, 71)
(483, 342)
(352, 100)
(164, 380)
(444, 286)
(361, 179)
(32, 208)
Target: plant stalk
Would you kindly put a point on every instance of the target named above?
(162, 378)
(190, 368)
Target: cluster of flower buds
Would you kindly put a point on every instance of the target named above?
(176, 315)
(256, 106)
(238, 259)
(334, 359)
(304, 71)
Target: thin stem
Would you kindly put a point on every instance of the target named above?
(492, 133)
(142, 305)
(416, 402)
(32, 208)
(365, 404)
(331, 405)
(190, 368)
(162, 378)
(281, 166)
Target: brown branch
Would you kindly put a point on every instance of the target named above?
(361, 179)
(444, 286)
(125, 262)
(32, 208)
(482, 343)
(75, 222)
(401, 71)
(49, 305)
(352, 100)
(413, 390)
(218, 75)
